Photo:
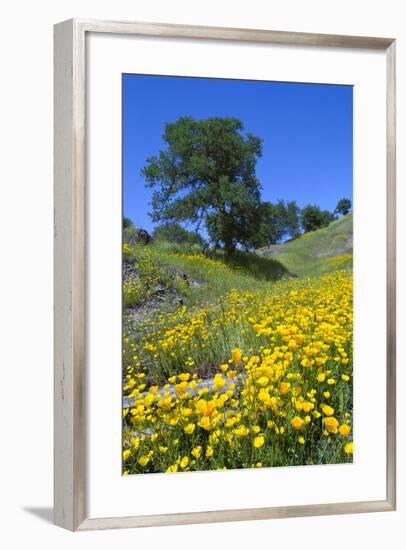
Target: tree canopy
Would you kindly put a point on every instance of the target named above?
(127, 222)
(276, 222)
(343, 206)
(206, 176)
(312, 218)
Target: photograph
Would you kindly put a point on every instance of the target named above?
(237, 274)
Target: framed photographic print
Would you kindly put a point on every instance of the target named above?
(224, 274)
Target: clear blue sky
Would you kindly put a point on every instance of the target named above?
(306, 130)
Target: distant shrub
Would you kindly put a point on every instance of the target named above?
(127, 222)
(175, 233)
(129, 230)
(343, 206)
(312, 218)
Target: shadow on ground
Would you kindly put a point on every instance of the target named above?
(44, 513)
(260, 267)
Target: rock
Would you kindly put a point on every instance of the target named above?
(143, 236)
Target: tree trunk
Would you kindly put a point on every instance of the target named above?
(229, 247)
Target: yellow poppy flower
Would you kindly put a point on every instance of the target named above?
(189, 428)
(126, 454)
(297, 422)
(184, 462)
(143, 460)
(236, 355)
(259, 441)
(348, 448)
(326, 409)
(209, 451)
(344, 430)
(331, 424)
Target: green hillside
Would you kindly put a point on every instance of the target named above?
(173, 272)
(166, 272)
(316, 252)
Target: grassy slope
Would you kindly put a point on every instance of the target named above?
(311, 254)
(216, 277)
(316, 252)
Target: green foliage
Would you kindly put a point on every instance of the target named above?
(206, 175)
(127, 222)
(133, 292)
(291, 216)
(312, 218)
(128, 253)
(343, 206)
(277, 221)
(129, 230)
(149, 274)
(175, 233)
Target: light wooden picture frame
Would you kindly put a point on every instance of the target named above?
(70, 438)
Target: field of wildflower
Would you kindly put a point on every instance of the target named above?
(242, 372)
